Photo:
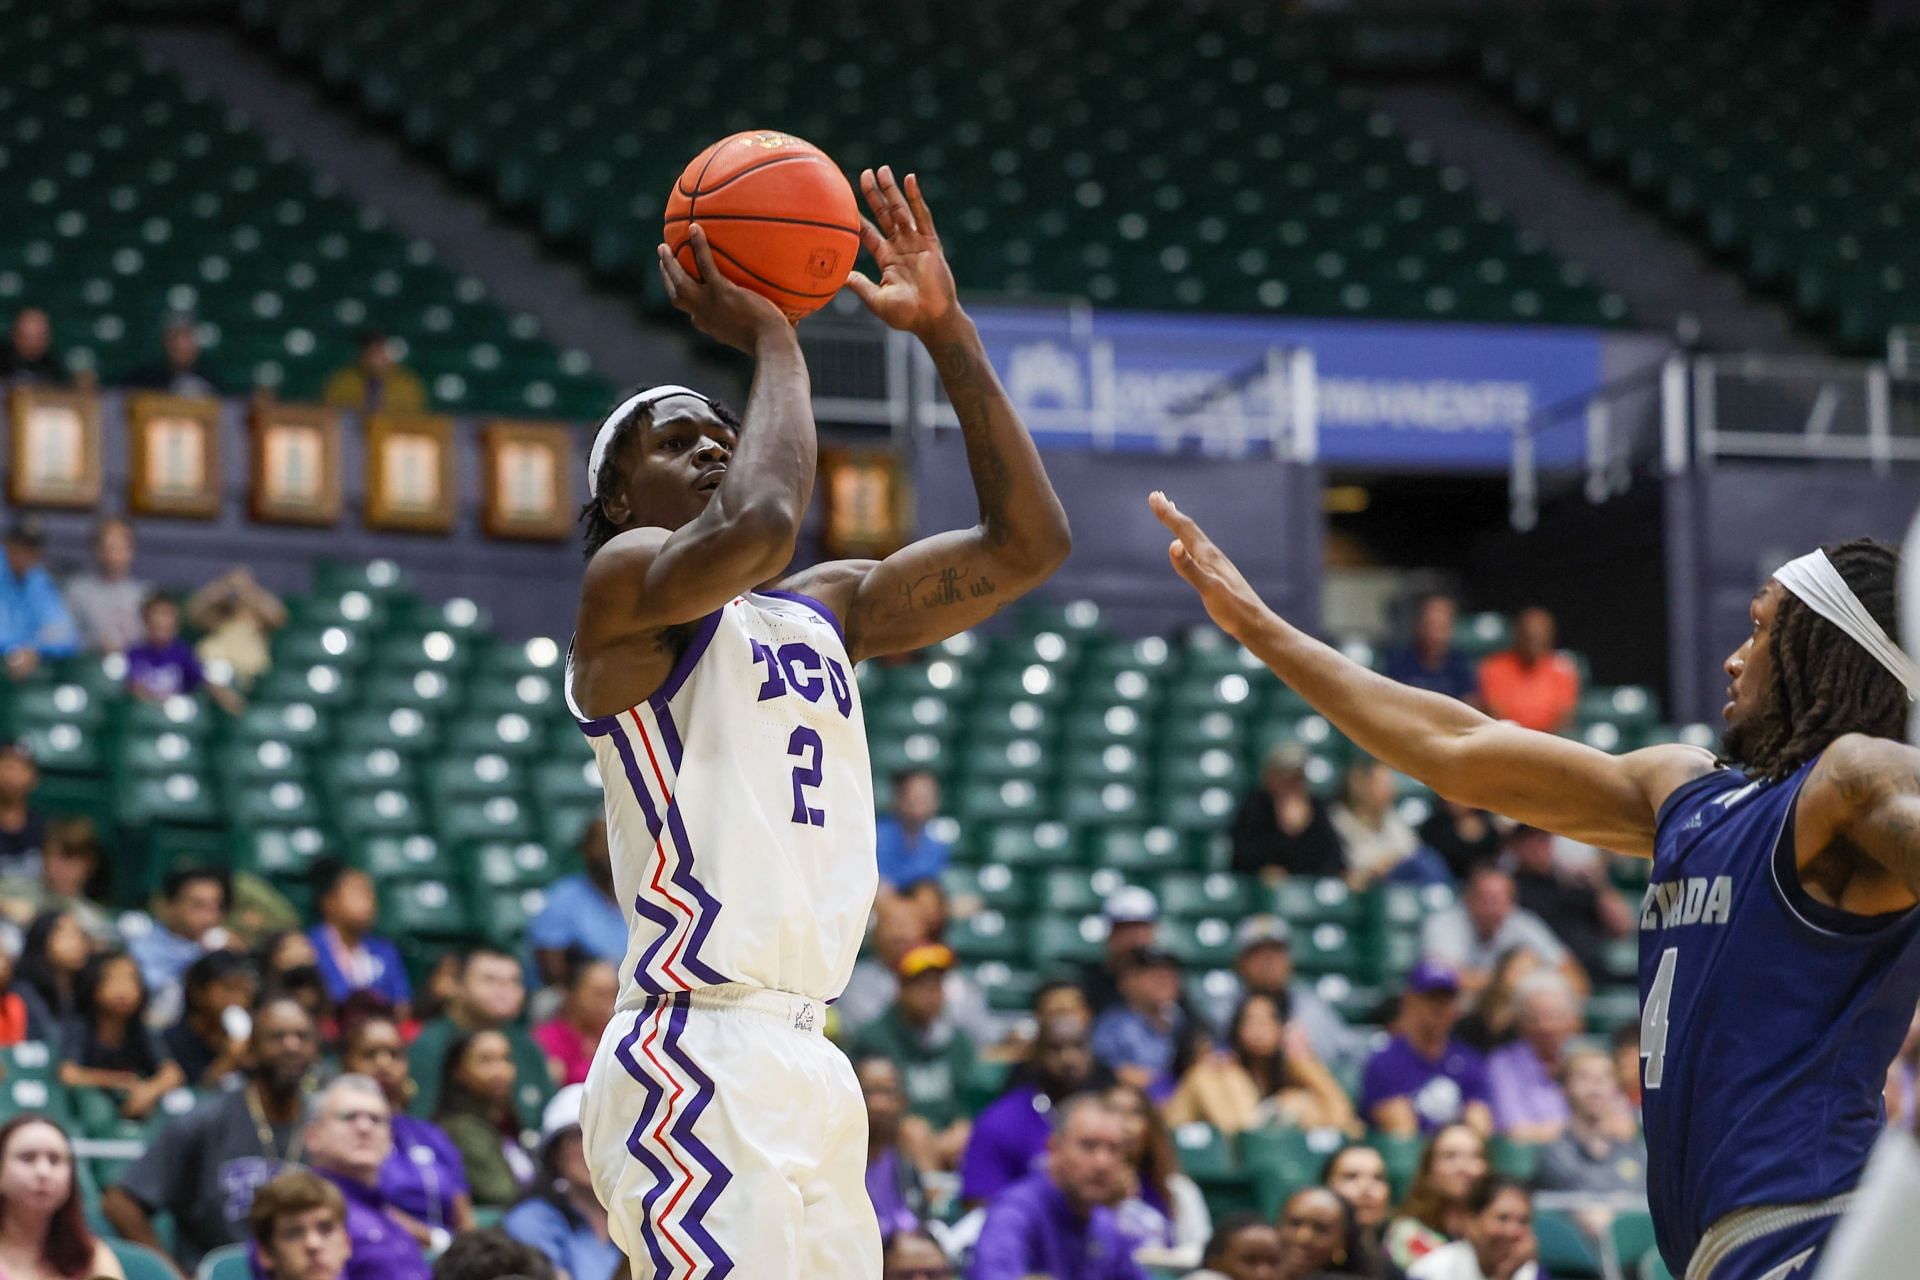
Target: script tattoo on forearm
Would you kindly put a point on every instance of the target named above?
(950, 585)
(965, 377)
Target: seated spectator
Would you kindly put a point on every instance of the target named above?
(21, 1013)
(1133, 921)
(33, 619)
(107, 1049)
(1011, 1133)
(23, 828)
(560, 1215)
(900, 924)
(1487, 922)
(290, 967)
(105, 601)
(490, 996)
(913, 1254)
(935, 1060)
(163, 665)
(237, 617)
(1600, 1152)
(1463, 836)
(1137, 1038)
(28, 357)
(1430, 661)
(186, 925)
(210, 1040)
(1498, 1243)
(1531, 683)
(52, 959)
(490, 1255)
(203, 1168)
(1263, 963)
(570, 1037)
(256, 910)
(582, 911)
(348, 1141)
(1319, 1239)
(351, 956)
(1244, 1246)
(893, 1182)
(376, 382)
(1578, 906)
(424, 1179)
(1528, 1105)
(1265, 1074)
(1060, 998)
(1626, 1065)
(476, 1110)
(43, 1222)
(180, 373)
(1423, 1079)
(1358, 1174)
(1376, 837)
(69, 859)
(908, 852)
(1060, 1221)
(1163, 1206)
(1494, 1020)
(1281, 829)
(1435, 1211)
(299, 1223)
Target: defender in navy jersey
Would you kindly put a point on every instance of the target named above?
(1780, 944)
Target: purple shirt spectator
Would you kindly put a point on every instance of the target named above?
(381, 1250)
(889, 1202)
(1032, 1229)
(1439, 1090)
(424, 1174)
(1523, 1092)
(1010, 1135)
(161, 672)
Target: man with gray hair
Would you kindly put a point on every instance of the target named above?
(1060, 1220)
(349, 1136)
(1528, 1104)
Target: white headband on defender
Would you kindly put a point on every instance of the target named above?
(1820, 587)
(604, 436)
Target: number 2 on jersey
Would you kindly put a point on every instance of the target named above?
(805, 745)
(1653, 1018)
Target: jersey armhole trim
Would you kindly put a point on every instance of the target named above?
(1833, 922)
(1716, 774)
(600, 726)
(813, 604)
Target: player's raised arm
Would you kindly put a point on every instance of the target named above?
(950, 581)
(1537, 778)
(1866, 791)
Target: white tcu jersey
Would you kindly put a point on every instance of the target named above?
(740, 808)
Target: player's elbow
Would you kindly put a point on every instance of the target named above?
(1030, 556)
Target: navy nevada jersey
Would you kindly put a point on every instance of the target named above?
(1768, 1019)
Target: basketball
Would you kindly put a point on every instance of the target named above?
(779, 215)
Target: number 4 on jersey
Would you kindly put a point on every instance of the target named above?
(1653, 1018)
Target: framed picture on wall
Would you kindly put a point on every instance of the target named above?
(296, 464)
(866, 505)
(175, 456)
(410, 472)
(529, 480)
(54, 448)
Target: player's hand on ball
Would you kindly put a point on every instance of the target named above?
(717, 306)
(915, 291)
(1231, 602)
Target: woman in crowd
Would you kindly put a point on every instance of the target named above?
(289, 966)
(107, 1050)
(1165, 1207)
(1497, 1241)
(1358, 1174)
(210, 1040)
(477, 1112)
(560, 1215)
(573, 1033)
(43, 1228)
(51, 960)
(1494, 1020)
(1266, 1074)
(1319, 1239)
(70, 858)
(1436, 1208)
(1376, 837)
(424, 1176)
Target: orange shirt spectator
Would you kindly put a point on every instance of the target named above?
(1531, 684)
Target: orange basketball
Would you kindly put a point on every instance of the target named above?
(778, 213)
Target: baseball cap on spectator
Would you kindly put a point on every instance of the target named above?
(1259, 931)
(561, 1115)
(27, 530)
(1131, 905)
(1430, 977)
(928, 957)
(1286, 757)
(1148, 958)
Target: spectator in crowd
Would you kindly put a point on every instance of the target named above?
(1245, 1246)
(491, 1255)
(1600, 1152)
(913, 1254)
(1319, 1239)
(899, 925)
(1265, 1074)
(893, 1181)
(1423, 1079)
(22, 1016)
(237, 617)
(935, 1060)
(180, 373)
(23, 828)
(476, 1110)
(1376, 837)
(1281, 829)
(490, 996)
(1626, 1065)
(111, 1062)
(1163, 1206)
(43, 1223)
(351, 956)
(376, 382)
(1498, 1244)
(1475, 932)
(1060, 1221)
(1454, 1159)
(582, 911)
(204, 1167)
(1011, 1133)
(210, 1041)
(424, 1178)
(1463, 836)
(52, 959)
(1531, 684)
(560, 1215)
(163, 665)
(1138, 1038)
(1579, 907)
(1494, 1020)
(909, 853)
(1263, 963)
(105, 601)
(299, 1223)
(591, 985)
(1430, 661)
(1133, 921)
(1523, 1077)
(193, 902)
(348, 1141)
(29, 356)
(69, 860)
(33, 618)
(290, 967)
(1358, 1174)
(1060, 998)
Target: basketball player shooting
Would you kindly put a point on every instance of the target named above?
(1780, 947)
(726, 1135)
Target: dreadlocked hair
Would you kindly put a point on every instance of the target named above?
(1824, 683)
(598, 530)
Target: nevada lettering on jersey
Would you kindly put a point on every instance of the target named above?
(1692, 900)
(797, 667)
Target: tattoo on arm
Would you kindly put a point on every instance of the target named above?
(965, 377)
(947, 586)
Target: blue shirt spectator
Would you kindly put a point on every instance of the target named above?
(908, 852)
(352, 957)
(1138, 1037)
(1431, 662)
(561, 1217)
(581, 911)
(193, 902)
(1060, 1222)
(34, 622)
(1423, 1079)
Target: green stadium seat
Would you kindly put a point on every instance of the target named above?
(1193, 894)
(1205, 1153)
(988, 935)
(1024, 844)
(1282, 1160)
(422, 908)
(1139, 851)
(1059, 943)
(229, 1262)
(1632, 1233)
(1564, 1248)
(1515, 1159)
(278, 854)
(510, 865)
(995, 885)
(1402, 1157)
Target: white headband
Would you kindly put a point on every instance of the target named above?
(1820, 587)
(604, 436)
